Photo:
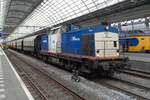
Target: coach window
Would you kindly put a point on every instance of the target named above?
(115, 43)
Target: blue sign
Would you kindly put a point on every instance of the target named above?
(1, 34)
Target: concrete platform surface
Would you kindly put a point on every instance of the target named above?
(138, 56)
(11, 85)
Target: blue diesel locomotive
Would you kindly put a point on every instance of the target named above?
(89, 50)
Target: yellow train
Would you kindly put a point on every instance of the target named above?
(138, 43)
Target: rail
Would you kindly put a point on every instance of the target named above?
(52, 80)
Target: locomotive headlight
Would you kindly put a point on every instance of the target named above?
(117, 54)
(106, 28)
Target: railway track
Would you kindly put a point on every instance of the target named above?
(32, 86)
(30, 83)
(119, 85)
(136, 72)
(134, 89)
(131, 89)
(45, 87)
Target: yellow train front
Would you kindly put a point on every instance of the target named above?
(138, 43)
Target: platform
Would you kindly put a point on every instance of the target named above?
(145, 57)
(11, 85)
(140, 61)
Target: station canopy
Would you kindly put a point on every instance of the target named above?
(15, 11)
(53, 12)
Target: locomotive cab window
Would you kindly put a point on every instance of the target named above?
(115, 43)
